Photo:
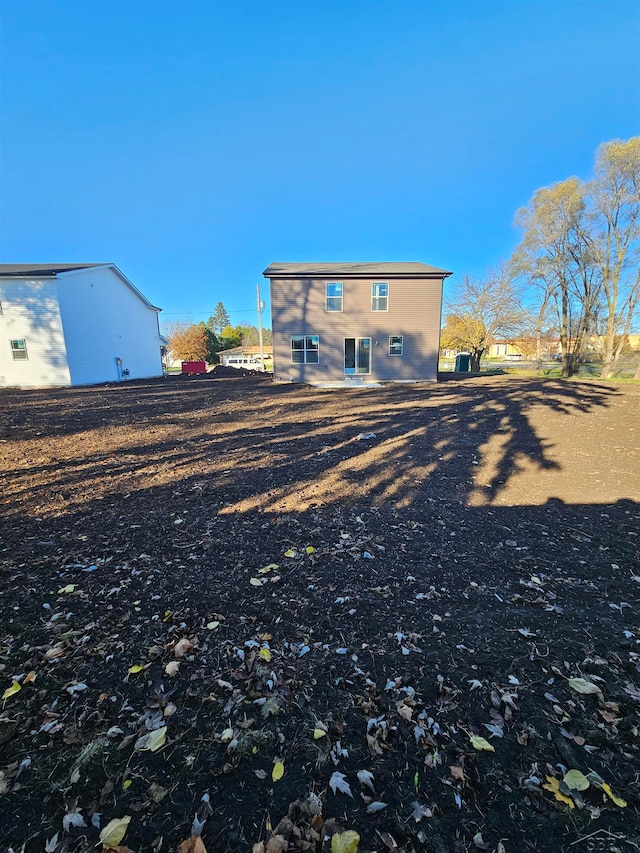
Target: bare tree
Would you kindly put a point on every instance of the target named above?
(612, 234)
(480, 312)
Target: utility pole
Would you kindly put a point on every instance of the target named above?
(260, 307)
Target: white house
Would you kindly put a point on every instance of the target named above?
(74, 324)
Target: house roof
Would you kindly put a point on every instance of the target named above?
(389, 269)
(27, 270)
(54, 270)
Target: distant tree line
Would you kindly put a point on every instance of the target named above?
(575, 273)
(203, 341)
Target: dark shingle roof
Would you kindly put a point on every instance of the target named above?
(27, 270)
(400, 269)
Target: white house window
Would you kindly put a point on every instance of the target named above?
(19, 350)
(305, 349)
(380, 296)
(334, 295)
(395, 344)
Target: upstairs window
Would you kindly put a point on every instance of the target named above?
(305, 349)
(334, 295)
(380, 296)
(19, 350)
(395, 344)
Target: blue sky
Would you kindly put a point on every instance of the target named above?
(193, 143)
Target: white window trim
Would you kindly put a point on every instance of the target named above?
(396, 354)
(304, 350)
(379, 310)
(327, 298)
(15, 350)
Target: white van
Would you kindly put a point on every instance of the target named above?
(244, 363)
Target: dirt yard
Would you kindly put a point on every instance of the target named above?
(409, 612)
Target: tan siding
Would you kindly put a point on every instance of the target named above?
(298, 308)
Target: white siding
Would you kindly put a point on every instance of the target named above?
(103, 320)
(30, 312)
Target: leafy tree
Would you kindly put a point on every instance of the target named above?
(230, 337)
(219, 320)
(213, 345)
(554, 256)
(480, 312)
(187, 342)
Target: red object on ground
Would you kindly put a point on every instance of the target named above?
(194, 366)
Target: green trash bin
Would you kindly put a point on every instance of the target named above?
(462, 362)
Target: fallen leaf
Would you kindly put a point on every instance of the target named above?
(457, 772)
(70, 587)
(138, 667)
(339, 783)
(278, 771)
(553, 785)
(265, 654)
(257, 581)
(581, 685)
(171, 669)
(192, 845)
(114, 831)
(318, 733)
(270, 568)
(617, 800)
(156, 739)
(11, 691)
(310, 549)
(277, 844)
(345, 842)
(365, 777)
(182, 647)
(290, 553)
(261, 774)
(29, 678)
(481, 744)
(576, 780)
(212, 625)
(376, 806)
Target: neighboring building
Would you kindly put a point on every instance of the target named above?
(364, 322)
(74, 324)
(246, 352)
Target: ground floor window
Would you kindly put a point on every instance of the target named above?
(395, 344)
(19, 350)
(305, 349)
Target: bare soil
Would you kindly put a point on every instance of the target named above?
(334, 581)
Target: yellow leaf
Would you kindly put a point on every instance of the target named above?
(11, 691)
(576, 780)
(318, 733)
(68, 588)
(553, 785)
(156, 739)
(290, 553)
(310, 549)
(278, 771)
(345, 842)
(167, 615)
(270, 568)
(137, 667)
(481, 744)
(126, 784)
(114, 831)
(617, 800)
(29, 678)
(265, 654)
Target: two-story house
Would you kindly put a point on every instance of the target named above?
(75, 324)
(362, 322)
